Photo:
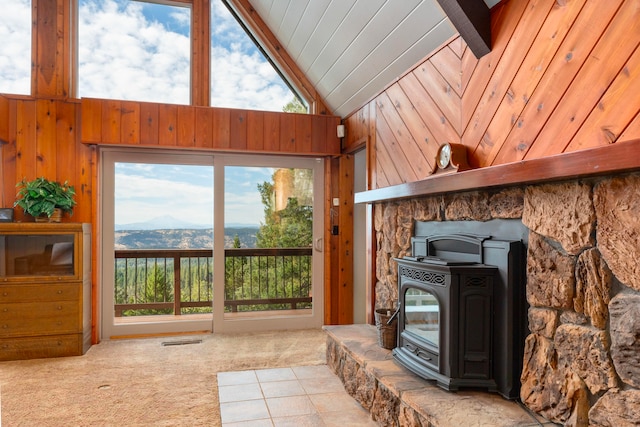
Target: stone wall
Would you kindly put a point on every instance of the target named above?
(582, 356)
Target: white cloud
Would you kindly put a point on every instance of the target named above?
(124, 55)
(15, 49)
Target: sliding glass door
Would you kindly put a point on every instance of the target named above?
(165, 270)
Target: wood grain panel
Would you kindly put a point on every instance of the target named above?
(617, 43)
(148, 124)
(533, 68)
(130, 122)
(562, 76)
(4, 120)
(186, 124)
(550, 98)
(504, 73)
(66, 139)
(613, 112)
(46, 138)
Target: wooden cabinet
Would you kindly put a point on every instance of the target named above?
(45, 290)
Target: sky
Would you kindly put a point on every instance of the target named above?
(185, 192)
(140, 51)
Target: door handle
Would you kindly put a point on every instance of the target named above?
(317, 245)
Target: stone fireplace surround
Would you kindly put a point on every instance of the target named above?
(582, 354)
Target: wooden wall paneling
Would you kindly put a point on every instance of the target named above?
(85, 183)
(408, 152)
(67, 141)
(504, 22)
(504, 73)
(345, 255)
(448, 65)
(458, 46)
(46, 143)
(321, 136)
(420, 133)
(111, 122)
(186, 126)
(331, 254)
(167, 125)
(440, 91)
(387, 173)
(632, 131)
(543, 49)
(541, 107)
(8, 158)
(615, 110)
(619, 42)
(204, 127)
(221, 128)
(303, 133)
(149, 123)
(255, 131)
(616, 44)
(287, 133)
(4, 120)
(468, 64)
(26, 152)
(130, 123)
(271, 131)
(371, 146)
(91, 120)
(441, 130)
(238, 129)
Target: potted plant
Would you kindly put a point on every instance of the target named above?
(45, 200)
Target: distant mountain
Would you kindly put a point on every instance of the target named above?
(182, 238)
(166, 222)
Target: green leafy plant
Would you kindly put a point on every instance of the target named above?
(40, 197)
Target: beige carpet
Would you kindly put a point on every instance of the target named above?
(143, 382)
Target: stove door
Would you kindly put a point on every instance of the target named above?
(422, 315)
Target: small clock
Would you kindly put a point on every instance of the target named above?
(451, 158)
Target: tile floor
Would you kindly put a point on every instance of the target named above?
(309, 396)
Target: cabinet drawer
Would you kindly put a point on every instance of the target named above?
(59, 317)
(38, 347)
(37, 292)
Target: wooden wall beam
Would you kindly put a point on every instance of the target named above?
(201, 53)
(472, 19)
(53, 52)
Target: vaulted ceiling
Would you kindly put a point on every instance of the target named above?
(352, 49)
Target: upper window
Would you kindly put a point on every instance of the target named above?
(241, 76)
(15, 49)
(134, 50)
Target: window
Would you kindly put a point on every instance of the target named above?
(241, 76)
(134, 50)
(15, 49)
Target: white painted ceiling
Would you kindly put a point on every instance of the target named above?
(351, 50)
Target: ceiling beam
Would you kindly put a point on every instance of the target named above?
(472, 19)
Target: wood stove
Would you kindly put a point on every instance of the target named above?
(462, 311)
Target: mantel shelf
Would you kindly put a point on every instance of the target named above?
(619, 157)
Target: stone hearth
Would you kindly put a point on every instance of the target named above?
(396, 397)
(582, 354)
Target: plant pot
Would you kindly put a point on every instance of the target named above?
(56, 216)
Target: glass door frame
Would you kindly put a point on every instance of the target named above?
(107, 327)
(270, 320)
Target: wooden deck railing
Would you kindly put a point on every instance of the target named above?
(159, 281)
